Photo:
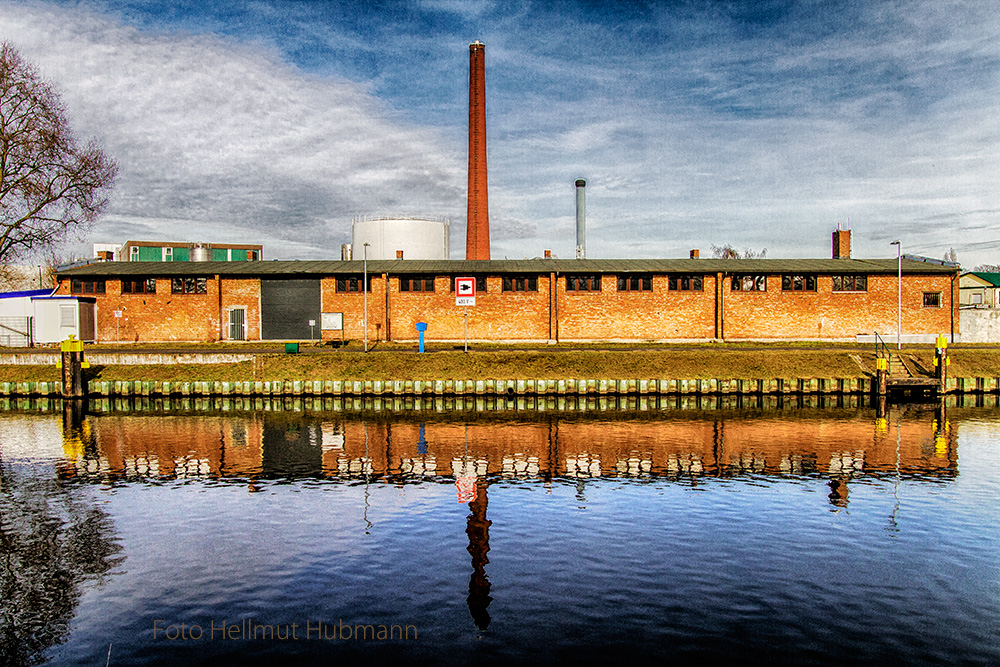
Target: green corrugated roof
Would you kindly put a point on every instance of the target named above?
(299, 268)
(991, 278)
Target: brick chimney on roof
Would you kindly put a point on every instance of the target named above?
(842, 243)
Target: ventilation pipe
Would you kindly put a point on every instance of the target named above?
(581, 220)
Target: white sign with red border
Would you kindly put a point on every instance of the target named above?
(465, 291)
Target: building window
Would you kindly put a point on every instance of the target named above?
(685, 283)
(352, 283)
(583, 283)
(480, 284)
(78, 286)
(416, 284)
(798, 283)
(139, 286)
(520, 283)
(749, 283)
(850, 283)
(638, 283)
(133, 254)
(977, 298)
(168, 254)
(932, 299)
(189, 285)
(252, 256)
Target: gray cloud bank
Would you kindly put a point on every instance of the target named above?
(761, 124)
(222, 141)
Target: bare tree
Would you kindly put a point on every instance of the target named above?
(729, 252)
(951, 256)
(48, 184)
(987, 268)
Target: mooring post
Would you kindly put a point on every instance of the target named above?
(941, 361)
(882, 375)
(72, 364)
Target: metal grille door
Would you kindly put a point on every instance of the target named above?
(238, 324)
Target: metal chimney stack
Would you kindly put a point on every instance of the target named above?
(477, 240)
(581, 220)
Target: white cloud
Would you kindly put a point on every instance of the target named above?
(218, 134)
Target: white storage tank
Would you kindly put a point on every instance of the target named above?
(386, 236)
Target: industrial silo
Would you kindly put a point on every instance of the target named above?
(388, 236)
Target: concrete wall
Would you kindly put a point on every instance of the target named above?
(980, 325)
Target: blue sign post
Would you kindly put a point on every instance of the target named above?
(421, 328)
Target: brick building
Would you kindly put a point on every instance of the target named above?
(537, 300)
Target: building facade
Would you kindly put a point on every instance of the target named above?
(979, 289)
(538, 300)
(170, 251)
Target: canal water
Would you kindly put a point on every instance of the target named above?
(646, 532)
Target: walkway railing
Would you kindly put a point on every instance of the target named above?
(882, 352)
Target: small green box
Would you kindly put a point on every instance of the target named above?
(291, 348)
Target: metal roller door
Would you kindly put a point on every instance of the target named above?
(286, 306)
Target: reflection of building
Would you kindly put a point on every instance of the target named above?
(831, 444)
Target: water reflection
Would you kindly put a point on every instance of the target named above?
(689, 447)
(666, 548)
(478, 530)
(52, 541)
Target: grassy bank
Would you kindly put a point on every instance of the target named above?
(689, 362)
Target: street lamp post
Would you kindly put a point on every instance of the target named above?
(899, 296)
(364, 289)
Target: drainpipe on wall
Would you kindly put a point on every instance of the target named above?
(386, 319)
(218, 286)
(554, 306)
(952, 306)
(719, 335)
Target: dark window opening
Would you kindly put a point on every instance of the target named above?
(139, 286)
(189, 285)
(749, 283)
(78, 286)
(352, 283)
(685, 283)
(932, 299)
(583, 283)
(520, 283)
(638, 283)
(416, 284)
(798, 283)
(850, 283)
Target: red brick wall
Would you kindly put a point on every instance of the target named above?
(242, 292)
(828, 314)
(162, 316)
(352, 305)
(497, 315)
(530, 316)
(660, 314)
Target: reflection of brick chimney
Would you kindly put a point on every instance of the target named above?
(842, 243)
(695, 254)
(477, 241)
(399, 254)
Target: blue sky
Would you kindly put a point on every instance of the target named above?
(696, 123)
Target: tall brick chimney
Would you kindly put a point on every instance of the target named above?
(842, 243)
(477, 240)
